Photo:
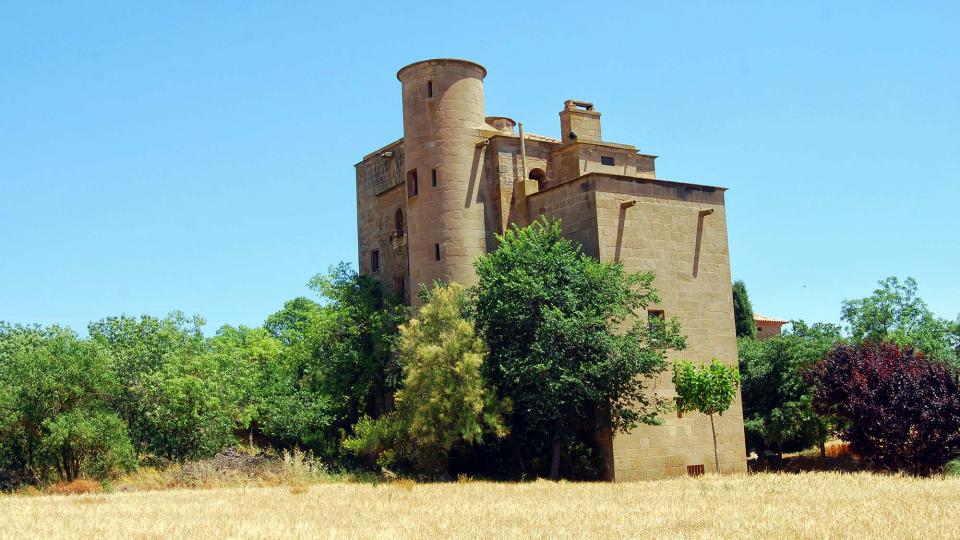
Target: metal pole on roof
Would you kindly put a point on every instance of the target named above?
(523, 154)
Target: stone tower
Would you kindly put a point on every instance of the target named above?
(432, 201)
(443, 119)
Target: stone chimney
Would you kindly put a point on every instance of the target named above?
(578, 121)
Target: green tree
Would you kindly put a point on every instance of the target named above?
(743, 311)
(249, 355)
(444, 399)
(777, 399)
(88, 442)
(55, 392)
(896, 313)
(568, 345)
(192, 405)
(706, 389)
(139, 347)
(336, 364)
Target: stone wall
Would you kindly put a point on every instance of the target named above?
(380, 193)
(672, 232)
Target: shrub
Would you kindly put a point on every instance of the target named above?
(901, 411)
(79, 486)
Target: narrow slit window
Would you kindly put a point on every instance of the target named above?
(412, 187)
(433, 177)
(375, 260)
(436, 251)
(429, 88)
(607, 160)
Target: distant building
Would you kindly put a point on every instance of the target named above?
(431, 202)
(768, 327)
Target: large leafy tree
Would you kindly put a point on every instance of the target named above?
(895, 312)
(900, 410)
(743, 311)
(55, 394)
(336, 364)
(777, 399)
(139, 347)
(568, 344)
(444, 399)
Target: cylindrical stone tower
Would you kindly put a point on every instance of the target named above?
(443, 156)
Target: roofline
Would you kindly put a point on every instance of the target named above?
(483, 70)
(669, 183)
(379, 150)
(654, 180)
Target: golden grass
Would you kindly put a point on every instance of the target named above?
(816, 505)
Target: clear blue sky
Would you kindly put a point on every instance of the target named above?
(199, 155)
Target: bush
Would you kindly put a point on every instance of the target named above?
(901, 411)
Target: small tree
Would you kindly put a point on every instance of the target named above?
(743, 311)
(902, 411)
(706, 389)
(444, 399)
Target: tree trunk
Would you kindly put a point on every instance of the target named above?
(519, 457)
(823, 449)
(716, 454)
(555, 462)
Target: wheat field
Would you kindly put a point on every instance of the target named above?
(816, 505)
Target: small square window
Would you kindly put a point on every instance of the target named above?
(433, 177)
(607, 160)
(375, 260)
(436, 251)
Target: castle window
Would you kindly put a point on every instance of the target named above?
(375, 260)
(412, 188)
(607, 160)
(433, 177)
(436, 251)
(399, 223)
(429, 88)
(655, 319)
(539, 175)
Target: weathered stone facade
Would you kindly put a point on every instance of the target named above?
(431, 202)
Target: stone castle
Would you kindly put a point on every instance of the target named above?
(429, 203)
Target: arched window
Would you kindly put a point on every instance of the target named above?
(539, 175)
(398, 221)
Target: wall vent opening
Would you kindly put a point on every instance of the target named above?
(695, 470)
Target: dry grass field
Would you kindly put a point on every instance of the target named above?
(815, 505)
